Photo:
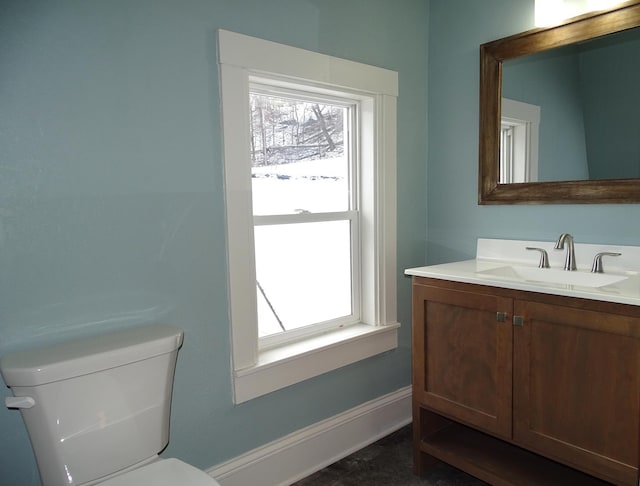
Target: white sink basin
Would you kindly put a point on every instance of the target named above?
(554, 276)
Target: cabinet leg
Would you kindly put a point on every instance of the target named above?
(422, 462)
(425, 423)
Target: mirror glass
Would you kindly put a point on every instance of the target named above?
(559, 112)
(588, 100)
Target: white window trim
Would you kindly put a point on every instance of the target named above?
(257, 372)
(524, 121)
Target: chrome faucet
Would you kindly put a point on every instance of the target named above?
(570, 255)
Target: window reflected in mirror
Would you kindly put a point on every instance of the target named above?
(519, 129)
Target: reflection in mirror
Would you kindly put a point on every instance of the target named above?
(583, 78)
(589, 97)
(519, 128)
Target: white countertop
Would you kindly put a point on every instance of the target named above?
(492, 254)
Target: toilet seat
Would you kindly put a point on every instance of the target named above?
(164, 472)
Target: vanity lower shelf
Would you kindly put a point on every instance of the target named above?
(497, 462)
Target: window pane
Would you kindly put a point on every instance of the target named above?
(298, 158)
(303, 273)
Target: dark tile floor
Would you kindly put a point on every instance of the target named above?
(387, 462)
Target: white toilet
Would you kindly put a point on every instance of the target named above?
(97, 409)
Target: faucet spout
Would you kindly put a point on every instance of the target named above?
(570, 255)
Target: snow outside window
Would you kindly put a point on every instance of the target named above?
(309, 157)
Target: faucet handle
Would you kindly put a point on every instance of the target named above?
(597, 261)
(544, 258)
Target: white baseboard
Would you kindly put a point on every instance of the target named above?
(308, 450)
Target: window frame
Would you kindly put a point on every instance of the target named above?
(351, 104)
(257, 371)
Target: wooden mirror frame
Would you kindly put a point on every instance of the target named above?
(492, 55)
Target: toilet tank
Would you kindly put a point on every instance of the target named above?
(98, 405)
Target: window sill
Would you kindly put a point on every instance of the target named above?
(291, 363)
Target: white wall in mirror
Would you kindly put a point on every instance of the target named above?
(552, 12)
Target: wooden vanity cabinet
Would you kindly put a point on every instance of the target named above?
(515, 386)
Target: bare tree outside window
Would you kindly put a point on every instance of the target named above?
(285, 131)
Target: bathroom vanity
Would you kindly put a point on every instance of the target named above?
(521, 378)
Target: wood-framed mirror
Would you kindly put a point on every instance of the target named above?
(494, 188)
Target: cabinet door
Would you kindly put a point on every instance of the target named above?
(576, 388)
(462, 356)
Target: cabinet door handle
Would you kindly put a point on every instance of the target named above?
(518, 321)
(501, 316)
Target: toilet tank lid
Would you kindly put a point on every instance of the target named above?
(88, 355)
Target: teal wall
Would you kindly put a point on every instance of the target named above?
(111, 193)
(454, 219)
(611, 100)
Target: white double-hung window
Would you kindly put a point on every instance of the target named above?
(304, 187)
(309, 159)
